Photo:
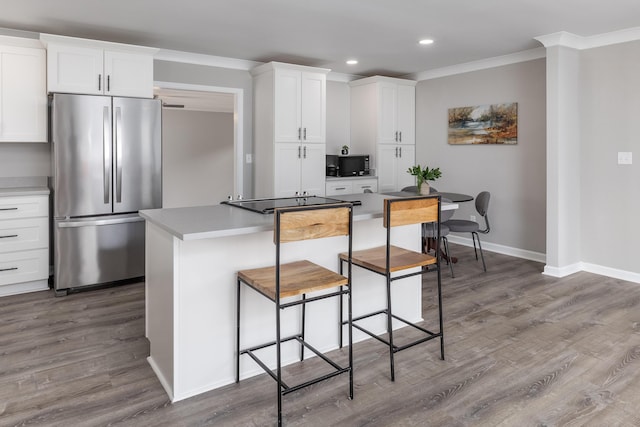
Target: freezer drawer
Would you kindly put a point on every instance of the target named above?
(95, 251)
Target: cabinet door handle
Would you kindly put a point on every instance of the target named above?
(99, 82)
(299, 131)
(8, 209)
(396, 136)
(299, 152)
(366, 186)
(305, 134)
(108, 83)
(341, 188)
(400, 135)
(8, 269)
(304, 152)
(396, 151)
(8, 235)
(400, 152)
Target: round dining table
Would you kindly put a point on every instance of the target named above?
(454, 197)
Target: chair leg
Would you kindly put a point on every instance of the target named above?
(304, 312)
(340, 315)
(238, 333)
(350, 317)
(278, 361)
(473, 237)
(446, 248)
(484, 266)
(390, 328)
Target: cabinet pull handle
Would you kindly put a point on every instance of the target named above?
(298, 151)
(396, 151)
(299, 130)
(366, 186)
(99, 82)
(8, 235)
(341, 188)
(8, 269)
(400, 135)
(400, 151)
(8, 209)
(305, 134)
(108, 83)
(304, 152)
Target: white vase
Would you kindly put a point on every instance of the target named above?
(424, 189)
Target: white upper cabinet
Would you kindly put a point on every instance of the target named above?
(23, 94)
(300, 106)
(98, 68)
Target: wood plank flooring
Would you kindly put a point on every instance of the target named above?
(522, 349)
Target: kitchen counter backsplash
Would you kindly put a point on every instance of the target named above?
(23, 181)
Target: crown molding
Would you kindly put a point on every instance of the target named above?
(483, 64)
(574, 41)
(208, 60)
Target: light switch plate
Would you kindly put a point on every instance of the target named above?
(248, 158)
(625, 157)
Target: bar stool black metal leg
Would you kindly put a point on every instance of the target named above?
(278, 363)
(349, 303)
(304, 312)
(390, 328)
(238, 333)
(340, 315)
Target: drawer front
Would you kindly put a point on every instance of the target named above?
(24, 266)
(24, 207)
(24, 234)
(361, 186)
(338, 188)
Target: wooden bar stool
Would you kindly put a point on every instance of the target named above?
(389, 260)
(297, 279)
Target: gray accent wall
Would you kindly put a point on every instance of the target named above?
(167, 71)
(514, 174)
(609, 119)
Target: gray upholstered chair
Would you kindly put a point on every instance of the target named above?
(466, 226)
(429, 232)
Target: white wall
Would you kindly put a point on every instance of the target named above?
(610, 193)
(197, 157)
(514, 174)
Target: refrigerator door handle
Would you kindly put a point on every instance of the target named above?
(93, 223)
(106, 142)
(118, 144)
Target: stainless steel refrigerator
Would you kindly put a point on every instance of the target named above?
(106, 166)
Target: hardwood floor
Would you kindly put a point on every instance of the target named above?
(521, 349)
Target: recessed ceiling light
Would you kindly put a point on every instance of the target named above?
(352, 62)
(426, 41)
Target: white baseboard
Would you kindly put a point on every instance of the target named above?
(567, 270)
(501, 249)
(23, 288)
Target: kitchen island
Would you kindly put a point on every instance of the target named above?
(192, 256)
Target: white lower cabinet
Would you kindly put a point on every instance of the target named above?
(393, 163)
(298, 169)
(351, 186)
(24, 244)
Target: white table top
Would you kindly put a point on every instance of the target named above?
(204, 222)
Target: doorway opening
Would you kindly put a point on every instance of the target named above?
(202, 143)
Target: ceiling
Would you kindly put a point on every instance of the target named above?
(381, 34)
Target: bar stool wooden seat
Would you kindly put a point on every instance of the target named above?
(297, 279)
(389, 260)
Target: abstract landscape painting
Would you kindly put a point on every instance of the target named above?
(484, 124)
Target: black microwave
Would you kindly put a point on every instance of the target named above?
(356, 165)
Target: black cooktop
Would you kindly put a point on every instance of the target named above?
(267, 206)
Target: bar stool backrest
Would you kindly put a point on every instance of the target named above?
(412, 210)
(311, 222)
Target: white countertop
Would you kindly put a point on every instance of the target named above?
(204, 222)
(23, 191)
(350, 178)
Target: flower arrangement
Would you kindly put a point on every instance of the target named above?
(424, 174)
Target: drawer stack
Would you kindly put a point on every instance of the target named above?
(24, 244)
